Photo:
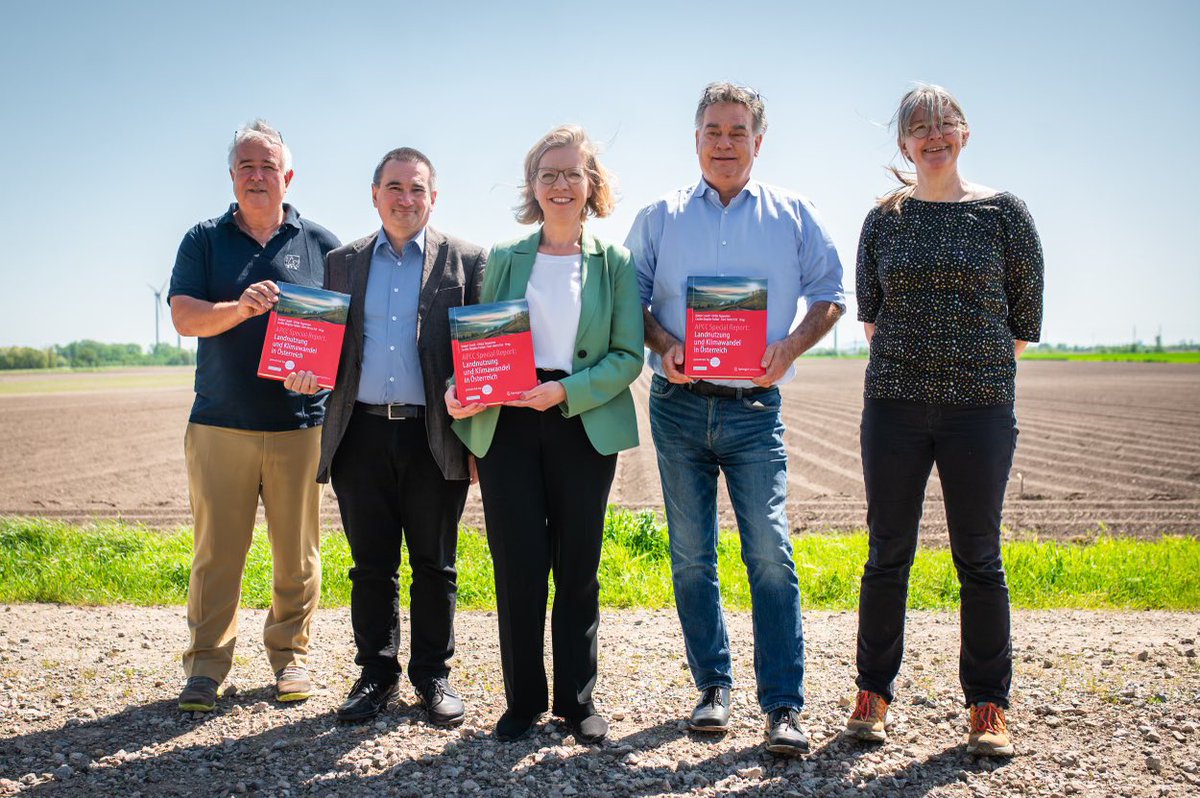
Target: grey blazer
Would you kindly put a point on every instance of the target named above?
(452, 275)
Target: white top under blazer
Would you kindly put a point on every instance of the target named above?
(553, 294)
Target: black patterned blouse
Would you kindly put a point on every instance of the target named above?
(949, 286)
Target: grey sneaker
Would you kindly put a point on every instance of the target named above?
(784, 735)
(199, 695)
(292, 684)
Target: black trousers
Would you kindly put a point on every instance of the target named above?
(545, 492)
(973, 448)
(391, 492)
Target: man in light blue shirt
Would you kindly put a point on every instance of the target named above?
(400, 474)
(729, 225)
(391, 367)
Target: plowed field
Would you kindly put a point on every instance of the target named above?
(1111, 446)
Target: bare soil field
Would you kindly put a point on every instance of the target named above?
(1103, 446)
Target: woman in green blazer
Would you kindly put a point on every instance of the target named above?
(546, 461)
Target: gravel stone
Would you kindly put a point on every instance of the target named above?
(129, 740)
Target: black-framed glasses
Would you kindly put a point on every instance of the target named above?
(924, 129)
(573, 175)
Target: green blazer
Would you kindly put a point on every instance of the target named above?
(608, 347)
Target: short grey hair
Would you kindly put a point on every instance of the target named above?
(726, 92)
(260, 130)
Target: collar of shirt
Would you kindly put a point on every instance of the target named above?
(382, 241)
(703, 189)
(291, 216)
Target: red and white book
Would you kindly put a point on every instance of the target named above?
(493, 352)
(726, 328)
(304, 333)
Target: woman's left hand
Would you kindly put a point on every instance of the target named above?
(542, 397)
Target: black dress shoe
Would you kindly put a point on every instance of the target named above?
(712, 713)
(442, 704)
(514, 725)
(784, 735)
(589, 730)
(367, 699)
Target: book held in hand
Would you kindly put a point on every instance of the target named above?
(493, 352)
(726, 327)
(304, 333)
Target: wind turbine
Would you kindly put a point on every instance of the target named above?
(158, 292)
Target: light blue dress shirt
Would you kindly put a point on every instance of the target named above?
(763, 232)
(391, 369)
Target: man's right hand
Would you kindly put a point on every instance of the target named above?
(301, 382)
(258, 299)
(672, 362)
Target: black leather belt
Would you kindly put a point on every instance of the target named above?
(702, 388)
(393, 412)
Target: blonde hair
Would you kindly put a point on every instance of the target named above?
(934, 101)
(601, 194)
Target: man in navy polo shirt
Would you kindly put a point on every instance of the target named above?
(249, 437)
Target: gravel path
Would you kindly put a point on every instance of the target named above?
(1104, 704)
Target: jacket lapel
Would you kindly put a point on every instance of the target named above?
(430, 279)
(521, 264)
(358, 268)
(591, 276)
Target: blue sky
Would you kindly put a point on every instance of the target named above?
(117, 117)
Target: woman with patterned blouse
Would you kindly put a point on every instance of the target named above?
(949, 286)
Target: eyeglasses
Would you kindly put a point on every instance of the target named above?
(548, 177)
(923, 129)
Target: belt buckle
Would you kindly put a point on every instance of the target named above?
(390, 417)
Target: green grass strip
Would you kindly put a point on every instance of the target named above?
(118, 563)
(1113, 357)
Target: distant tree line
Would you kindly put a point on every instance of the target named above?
(1135, 347)
(93, 354)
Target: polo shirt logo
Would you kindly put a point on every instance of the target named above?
(291, 262)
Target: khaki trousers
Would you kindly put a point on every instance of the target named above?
(228, 469)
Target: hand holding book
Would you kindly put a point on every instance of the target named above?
(258, 299)
(541, 397)
(301, 382)
(457, 409)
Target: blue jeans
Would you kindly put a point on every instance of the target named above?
(697, 437)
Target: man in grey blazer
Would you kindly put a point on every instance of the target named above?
(400, 474)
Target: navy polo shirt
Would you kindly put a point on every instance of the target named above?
(216, 262)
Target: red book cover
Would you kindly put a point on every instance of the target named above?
(493, 352)
(726, 327)
(304, 333)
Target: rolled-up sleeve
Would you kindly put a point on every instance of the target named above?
(820, 266)
(642, 243)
